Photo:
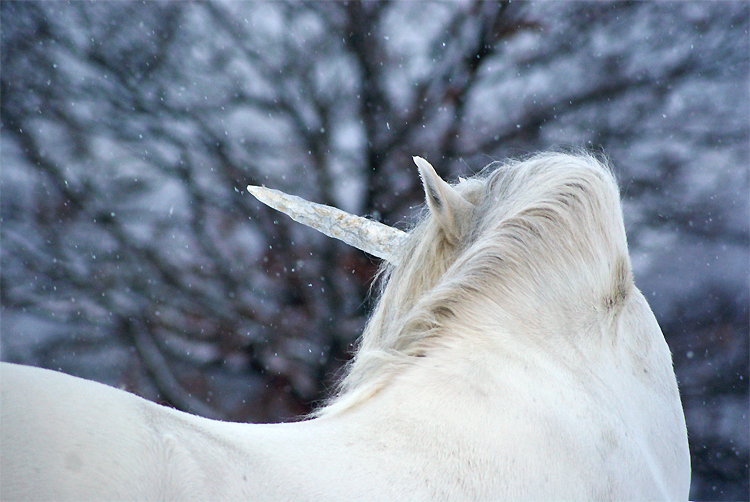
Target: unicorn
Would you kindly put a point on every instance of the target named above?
(509, 356)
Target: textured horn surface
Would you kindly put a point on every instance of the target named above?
(369, 236)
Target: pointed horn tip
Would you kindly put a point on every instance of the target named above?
(256, 191)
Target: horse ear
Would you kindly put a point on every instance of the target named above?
(444, 201)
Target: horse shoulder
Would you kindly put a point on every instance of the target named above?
(531, 423)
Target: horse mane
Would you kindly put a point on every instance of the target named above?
(542, 254)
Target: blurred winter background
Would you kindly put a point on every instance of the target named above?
(132, 255)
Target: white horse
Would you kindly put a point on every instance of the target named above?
(510, 356)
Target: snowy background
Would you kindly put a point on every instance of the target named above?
(132, 255)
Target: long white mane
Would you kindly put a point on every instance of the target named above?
(542, 253)
(509, 357)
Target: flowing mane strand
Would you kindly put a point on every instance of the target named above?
(542, 253)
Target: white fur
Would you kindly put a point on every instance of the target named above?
(510, 356)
